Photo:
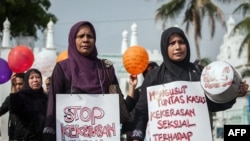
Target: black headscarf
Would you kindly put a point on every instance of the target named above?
(29, 107)
(27, 88)
(152, 65)
(178, 70)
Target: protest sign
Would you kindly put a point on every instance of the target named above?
(178, 112)
(87, 117)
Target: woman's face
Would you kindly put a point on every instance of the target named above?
(35, 81)
(177, 48)
(85, 41)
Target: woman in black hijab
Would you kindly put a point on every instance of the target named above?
(176, 66)
(29, 107)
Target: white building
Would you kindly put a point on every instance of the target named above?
(239, 113)
(122, 74)
(46, 58)
(5, 88)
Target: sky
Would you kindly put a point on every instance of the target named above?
(112, 17)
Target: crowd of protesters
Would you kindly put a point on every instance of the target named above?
(32, 108)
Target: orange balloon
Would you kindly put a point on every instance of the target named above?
(62, 56)
(135, 59)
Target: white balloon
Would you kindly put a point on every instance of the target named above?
(45, 61)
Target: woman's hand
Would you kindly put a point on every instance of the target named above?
(13, 83)
(132, 84)
(133, 80)
(243, 89)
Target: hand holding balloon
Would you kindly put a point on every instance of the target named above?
(132, 84)
(133, 80)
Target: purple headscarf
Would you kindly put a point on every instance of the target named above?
(83, 71)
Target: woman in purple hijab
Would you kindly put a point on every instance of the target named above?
(82, 72)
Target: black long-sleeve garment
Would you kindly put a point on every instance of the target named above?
(29, 109)
(5, 106)
(152, 78)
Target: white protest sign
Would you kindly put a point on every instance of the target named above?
(87, 117)
(178, 112)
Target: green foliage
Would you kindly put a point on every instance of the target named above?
(205, 61)
(244, 26)
(246, 73)
(195, 11)
(26, 16)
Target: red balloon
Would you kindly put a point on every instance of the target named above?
(135, 59)
(20, 58)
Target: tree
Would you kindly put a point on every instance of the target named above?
(26, 16)
(244, 26)
(195, 11)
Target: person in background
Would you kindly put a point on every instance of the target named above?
(176, 66)
(29, 106)
(128, 127)
(81, 73)
(47, 84)
(17, 84)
